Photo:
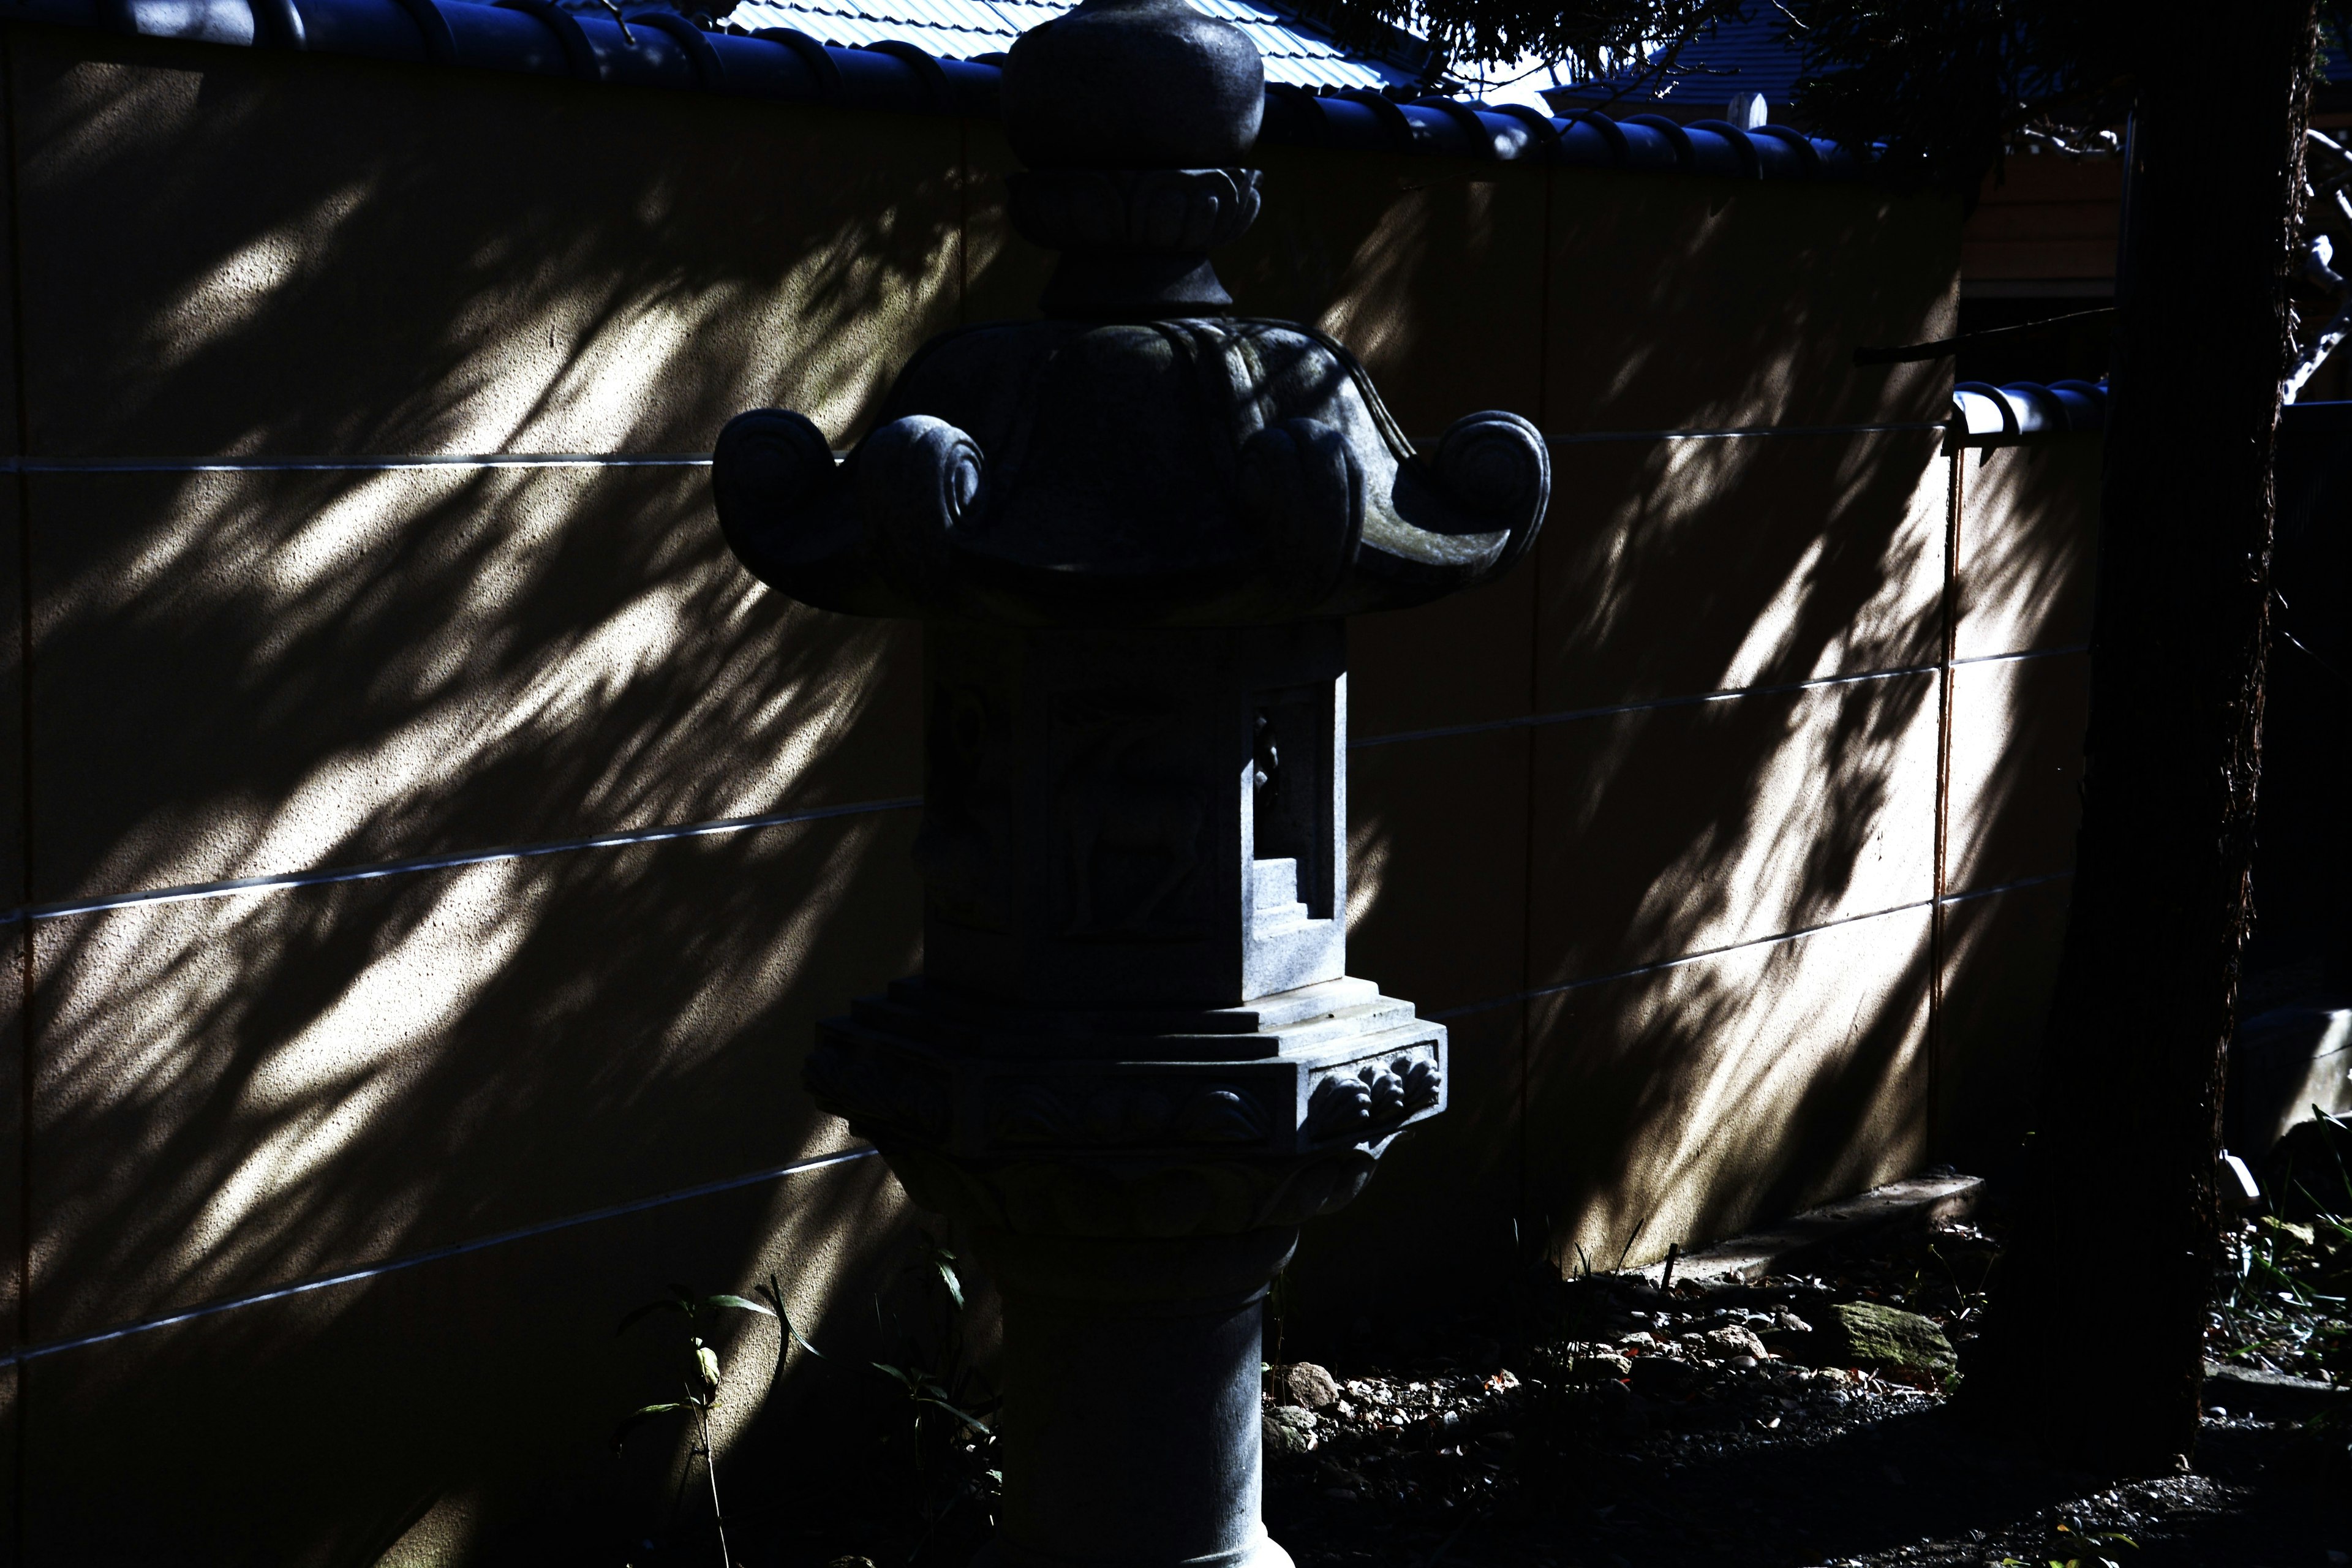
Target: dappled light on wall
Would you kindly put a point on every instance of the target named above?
(604, 292)
(1702, 1098)
(1652, 826)
(331, 1076)
(1374, 299)
(249, 674)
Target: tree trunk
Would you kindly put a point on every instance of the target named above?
(2094, 1342)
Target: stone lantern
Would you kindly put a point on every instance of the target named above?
(1134, 1063)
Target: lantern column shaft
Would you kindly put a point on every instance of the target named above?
(1131, 1430)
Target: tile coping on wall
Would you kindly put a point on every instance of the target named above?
(365, 1272)
(100, 904)
(666, 50)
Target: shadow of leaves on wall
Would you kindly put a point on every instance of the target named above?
(239, 674)
(266, 672)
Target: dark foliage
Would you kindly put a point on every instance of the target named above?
(1602, 36)
(1946, 85)
(1938, 89)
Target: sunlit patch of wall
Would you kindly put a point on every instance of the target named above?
(322, 1075)
(247, 674)
(1763, 294)
(483, 1389)
(361, 538)
(1429, 269)
(571, 832)
(1718, 719)
(2028, 531)
(1687, 1101)
(518, 268)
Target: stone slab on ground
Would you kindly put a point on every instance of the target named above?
(2282, 1065)
(1744, 1259)
(2272, 1395)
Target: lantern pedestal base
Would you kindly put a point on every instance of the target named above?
(1133, 1183)
(1133, 1194)
(1262, 1553)
(1131, 1425)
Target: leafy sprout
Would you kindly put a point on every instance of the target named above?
(704, 1378)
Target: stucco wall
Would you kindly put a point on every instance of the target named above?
(358, 543)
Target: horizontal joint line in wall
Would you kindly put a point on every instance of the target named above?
(1729, 693)
(702, 459)
(1737, 432)
(347, 464)
(1666, 963)
(1948, 899)
(2021, 657)
(63, 909)
(449, 862)
(523, 1233)
(431, 1255)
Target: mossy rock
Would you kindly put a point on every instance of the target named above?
(1598, 1368)
(1862, 1334)
(1289, 1430)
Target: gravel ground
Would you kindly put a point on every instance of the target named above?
(1512, 1441)
(1869, 1475)
(1472, 1460)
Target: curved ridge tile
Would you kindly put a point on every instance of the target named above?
(656, 47)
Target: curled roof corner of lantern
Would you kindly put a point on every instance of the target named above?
(1139, 456)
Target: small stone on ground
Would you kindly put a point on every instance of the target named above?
(1305, 1383)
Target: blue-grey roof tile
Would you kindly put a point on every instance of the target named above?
(951, 16)
(971, 16)
(1295, 51)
